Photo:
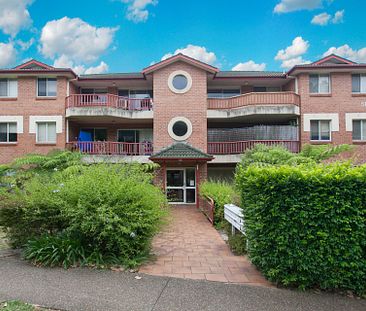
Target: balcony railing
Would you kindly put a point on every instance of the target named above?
(239, 147)
(111, 148)
(252, 99)
(108, 100)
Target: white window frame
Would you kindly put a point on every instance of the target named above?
(8, 132)
(363, 123)
(8, 88)
(43, 96)
(180, 73)
(47, 141)
(362, 83)
(319, 130)
(189, 128)
(329, 83)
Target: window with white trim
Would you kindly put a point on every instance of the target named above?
(359, 129)
(8, 88)
(8, 132)
(319, 84)
(320, 130)
(359, 83)
(46, 132)
(47, 87)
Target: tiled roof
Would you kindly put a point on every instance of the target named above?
(181, 151)
(250, 74)
(131, 75)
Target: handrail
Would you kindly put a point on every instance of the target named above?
(254, 98)
(111, 148)
(207, 207)
(239, 147)
(108, 100)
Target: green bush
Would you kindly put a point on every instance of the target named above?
(262, 155)
(112, 209)
(221, 193)
(55, 250)
(237, 243)
(306, 226)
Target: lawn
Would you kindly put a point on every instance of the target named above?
(19, 306)
(3, 244)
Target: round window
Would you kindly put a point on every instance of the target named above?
(180, 128)
(180, 82)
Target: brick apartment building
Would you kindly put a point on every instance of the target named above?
(190, 117)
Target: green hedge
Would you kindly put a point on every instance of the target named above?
(306, 226)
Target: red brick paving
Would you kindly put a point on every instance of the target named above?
(190, 247)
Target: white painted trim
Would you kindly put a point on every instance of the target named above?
(189, 128)
(353, 116)
(34, 119)
(14, 119)
(332, 117)
(183, 73)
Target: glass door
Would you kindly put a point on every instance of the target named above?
(181, 185)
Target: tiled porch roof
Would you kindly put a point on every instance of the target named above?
(182, 151)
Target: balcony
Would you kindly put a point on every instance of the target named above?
(111, 148)
(239, 147)
(108, 100)
(254, 99)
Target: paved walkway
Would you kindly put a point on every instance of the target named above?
(87, 289)
(190, 247)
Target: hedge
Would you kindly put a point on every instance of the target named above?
(306, 226)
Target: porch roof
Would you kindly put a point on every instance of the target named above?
(181, 151)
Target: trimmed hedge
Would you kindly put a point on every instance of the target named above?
(306, 226)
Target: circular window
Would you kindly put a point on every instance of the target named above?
(180, 82)
(180, 128)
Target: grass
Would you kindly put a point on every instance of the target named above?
(3, 243)
(19, 306)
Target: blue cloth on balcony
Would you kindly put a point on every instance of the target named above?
(84, 137)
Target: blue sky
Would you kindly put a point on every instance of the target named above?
(96, 36)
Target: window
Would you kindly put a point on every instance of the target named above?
(128, 136)
(47, 87)
(93, 134)
(359, 130)
(319, 84)
(8, 132)
(222, 93)
(181, 185)
(8, 88)
(180, 128)
(46, 132)
(180, 82)
(266, 89)
(359, 83)
(138, 94)
(320, 130)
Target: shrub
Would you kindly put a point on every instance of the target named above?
(237, 243)
(306, 226)
(263, 155)
(55, 250)
(221, 193)
(113, 209)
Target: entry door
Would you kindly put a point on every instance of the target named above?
(181, 185)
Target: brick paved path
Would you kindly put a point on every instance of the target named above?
(190, 247)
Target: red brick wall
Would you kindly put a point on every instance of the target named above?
(341, 101)
(28, 104)
(191, 105)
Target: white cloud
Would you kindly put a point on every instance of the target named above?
(25, 45)
(197, 52)
(137, 9)
(64, 62)
(292, 55)
(324, 19)
(286, 6)
(7, 54)
(321, 19)
(347, 52)
(14, 16)
(338, 17)
(249, 66)
(75, 39)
